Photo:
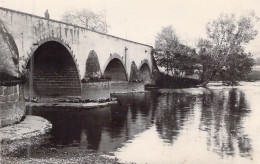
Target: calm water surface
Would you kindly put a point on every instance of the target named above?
(216, 125)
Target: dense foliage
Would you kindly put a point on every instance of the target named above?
(238, 66)
(221, 54)
(223, 51)
(174, 57)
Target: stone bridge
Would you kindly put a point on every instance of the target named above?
(63, 58)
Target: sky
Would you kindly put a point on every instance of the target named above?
(141, 20)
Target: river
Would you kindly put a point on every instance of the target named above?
(196, 125)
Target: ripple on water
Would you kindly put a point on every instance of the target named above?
(193, 125)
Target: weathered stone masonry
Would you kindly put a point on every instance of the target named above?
(12, 107)
(11, 104)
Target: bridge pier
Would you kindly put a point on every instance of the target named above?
(103, 90)
(12, 106)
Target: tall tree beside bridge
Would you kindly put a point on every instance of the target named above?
(226, 38)
(86, 18)
(174, 57)
(166, 45)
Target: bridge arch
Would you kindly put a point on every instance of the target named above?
(114, 69)
(54, 69)
(145, 71)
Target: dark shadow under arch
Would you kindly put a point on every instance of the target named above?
(115, 71)
(54, 71)
(145, 73)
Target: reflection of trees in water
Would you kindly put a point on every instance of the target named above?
(173, 110)
(139, 111)
(222, 119)
(105, 129)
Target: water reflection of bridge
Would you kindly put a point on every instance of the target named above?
(171, 111)
(103, 129)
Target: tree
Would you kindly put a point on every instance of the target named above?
(86, 18)
(166, 45)
(226, 38)
(184, 61)
(205, 58)
(237, 67)
(171, 55)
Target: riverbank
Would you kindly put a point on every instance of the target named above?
(65, 155)
(71, 105)
(29, 131)
(72, 102)
(24, 143)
